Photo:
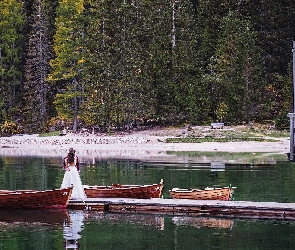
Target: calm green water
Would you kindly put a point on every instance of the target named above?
(257, 178)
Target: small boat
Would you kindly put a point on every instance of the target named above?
(223, 193)
(125, 191)
(33, 199)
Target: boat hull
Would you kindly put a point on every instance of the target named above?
(124, 191)
(32, 199)
(224, 194)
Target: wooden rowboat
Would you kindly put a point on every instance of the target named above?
(32, 199)
(224, 194)
(125, 191)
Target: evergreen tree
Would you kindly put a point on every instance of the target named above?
(99, 65)
(122, 60)
(174, 62)
(273, 20)
(12, 21)
(137, 97)
(236, 71)
(39, 53)
(118, 88)
(209, 16)
(67, 65)
(191, 100)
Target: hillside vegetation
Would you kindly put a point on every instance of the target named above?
(106, 65)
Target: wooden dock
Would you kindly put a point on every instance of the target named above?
(232, 209)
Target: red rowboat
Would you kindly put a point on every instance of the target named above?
(32, 199)
(125, 191)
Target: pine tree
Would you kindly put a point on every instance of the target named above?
(67, 65)
(39, 53)
(174, 62)
(209, 16)
(12, 21)
(236, 71)
(273, 21)
(117, 85)
(191, 93)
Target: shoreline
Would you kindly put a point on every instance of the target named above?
(131, 146)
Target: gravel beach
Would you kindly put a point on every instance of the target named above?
(140, 144)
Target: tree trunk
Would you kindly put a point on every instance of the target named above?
(75, 107)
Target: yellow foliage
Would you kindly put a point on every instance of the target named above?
(9, 128)
(222, 110)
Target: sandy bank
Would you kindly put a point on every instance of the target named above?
(133, 146)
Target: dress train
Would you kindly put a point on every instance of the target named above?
(72, 177)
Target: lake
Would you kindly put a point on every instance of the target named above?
(258, 177)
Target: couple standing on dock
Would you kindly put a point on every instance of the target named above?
(71, 166)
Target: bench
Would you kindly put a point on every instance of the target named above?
(63, 132)
(217, 125)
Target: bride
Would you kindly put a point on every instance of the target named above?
(72, 177)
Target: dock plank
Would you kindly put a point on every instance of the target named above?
(233, 209)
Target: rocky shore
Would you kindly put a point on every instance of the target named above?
(68, 140)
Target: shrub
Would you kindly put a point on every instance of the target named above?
(9, 128)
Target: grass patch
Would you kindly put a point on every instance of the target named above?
(278, 134)
(232, 135)
(213, 139)
(55, 133)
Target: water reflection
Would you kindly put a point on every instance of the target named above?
(97, 230)
(217, 166)
(185, 158)
(276, 181)
(31, 218)
(257, 179)
(203, 222)
(73, 227)
(141, 219)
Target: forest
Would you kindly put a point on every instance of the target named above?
(124, 64)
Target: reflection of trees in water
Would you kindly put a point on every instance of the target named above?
(87, 154)
(73, 228)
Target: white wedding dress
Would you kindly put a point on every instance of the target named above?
(72, 178)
